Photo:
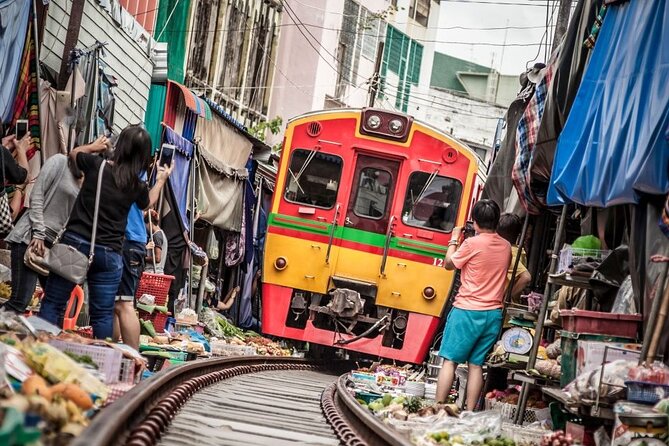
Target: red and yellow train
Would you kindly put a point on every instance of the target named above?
(360, 221)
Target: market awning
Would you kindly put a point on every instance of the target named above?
(194, 103)
(614, 144)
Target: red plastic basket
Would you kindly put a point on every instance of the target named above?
(156, 285)
(159, 320)
(595, 322)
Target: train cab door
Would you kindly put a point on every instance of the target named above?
(368, 219)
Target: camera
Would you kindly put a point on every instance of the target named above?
(469, 230)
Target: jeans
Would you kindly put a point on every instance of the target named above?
(134, 256)
(24, 280)
(103, 279)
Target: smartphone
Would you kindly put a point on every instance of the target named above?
(166, 154)
(21, 128)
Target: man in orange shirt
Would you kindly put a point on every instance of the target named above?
(474, 323)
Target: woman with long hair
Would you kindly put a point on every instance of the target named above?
(51, 201)
(121, 187)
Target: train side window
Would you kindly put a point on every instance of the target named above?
(372, 197)
(432, 201)
(313, 178)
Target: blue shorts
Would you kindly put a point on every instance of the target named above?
(469, 335)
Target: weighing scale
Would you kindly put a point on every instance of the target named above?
(517, 340)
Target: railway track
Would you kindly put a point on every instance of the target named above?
(241, 401)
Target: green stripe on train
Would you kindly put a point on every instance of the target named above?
(356, 235)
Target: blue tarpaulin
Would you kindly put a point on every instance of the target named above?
(13, 30)
(614, 144)
(179, 178)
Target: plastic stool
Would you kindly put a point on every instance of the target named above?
(73, 308)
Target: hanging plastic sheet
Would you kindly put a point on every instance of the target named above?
(179, 178)
(569, 69)
(614, 144)
(13, 31)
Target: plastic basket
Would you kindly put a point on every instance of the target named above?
(158, 319)
(156, 285)
(524, 436)
(646, 393)
(530, 416)
(107, 359)
(219, 349)
(569, 255)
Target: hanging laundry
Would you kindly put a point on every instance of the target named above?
(526, 138)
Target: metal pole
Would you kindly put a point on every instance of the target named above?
(39, 76)
(521, 242)
(562, 22)
(652, 318)
(522, 401)
(74, 60)
(191, 235)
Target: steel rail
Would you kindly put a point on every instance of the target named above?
(142, 415)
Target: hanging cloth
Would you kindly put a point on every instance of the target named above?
(179, 178)
(13, 25)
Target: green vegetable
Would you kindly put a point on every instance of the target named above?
(387, 398)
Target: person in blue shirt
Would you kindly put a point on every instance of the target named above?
(126, 323)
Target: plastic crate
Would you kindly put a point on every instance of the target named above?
(596, 322)
(107, 359)
(569, 347)
(156, 285)
(569, 255)
(646, 393)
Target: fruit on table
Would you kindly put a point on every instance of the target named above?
(36, 385)
(558, 438)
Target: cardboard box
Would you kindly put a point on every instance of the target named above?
(590, 354)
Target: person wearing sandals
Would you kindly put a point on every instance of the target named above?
(51, 201)
(120, 187)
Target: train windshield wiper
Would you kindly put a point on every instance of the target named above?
(297, 177)
(426, 186)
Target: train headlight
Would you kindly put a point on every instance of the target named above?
(280, 263)
(395, 126)
(374, 122)
(429, 293)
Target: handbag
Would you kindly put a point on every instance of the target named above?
(6, 223)
(67, 261)
(36, 262)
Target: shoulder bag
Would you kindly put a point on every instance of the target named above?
(6, 224)
(67, 261)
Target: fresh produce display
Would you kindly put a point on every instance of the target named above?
(549, 368)
(558, 438)
(443, 438)
(511, 395)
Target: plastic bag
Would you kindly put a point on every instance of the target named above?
(657, 373)
(624, 302)
(212, 246)
(586, 386)
(468, 427)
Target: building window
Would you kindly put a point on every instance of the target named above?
(431, 201)
(313, 178)
(372, 196)
(403, 57)
(360, 34)
(419, 10)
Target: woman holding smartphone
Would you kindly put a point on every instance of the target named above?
(121, 187)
